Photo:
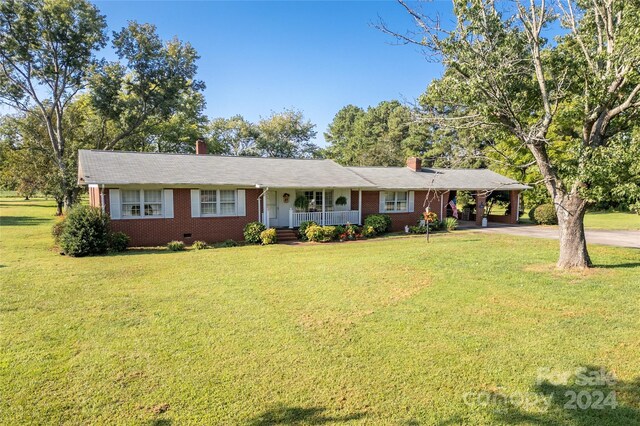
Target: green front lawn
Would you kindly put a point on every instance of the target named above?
(393, 331)
(612, 220)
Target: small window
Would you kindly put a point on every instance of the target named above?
(396, 201)
(209, 202)
(131, 203)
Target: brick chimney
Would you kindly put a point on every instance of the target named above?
(201, 147)
(414, 164)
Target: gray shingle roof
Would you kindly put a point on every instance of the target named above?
(120, 168)
(459, 179)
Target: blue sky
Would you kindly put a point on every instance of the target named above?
(258, 57)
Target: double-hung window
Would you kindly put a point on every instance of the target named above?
(217, 202)
(141, 203)
(315, 200)
(396, 201)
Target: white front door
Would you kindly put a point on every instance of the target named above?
(272, 205)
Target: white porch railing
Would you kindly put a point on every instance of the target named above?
(330, 218)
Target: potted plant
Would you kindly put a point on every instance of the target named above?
(341, 201)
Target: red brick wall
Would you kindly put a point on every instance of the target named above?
(371, 205)
(156, 232)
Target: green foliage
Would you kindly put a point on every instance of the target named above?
(450, 223)
(532, 213)
(383, 135)
(381, 223)
(199, 245)
(302, 229)
(118, 241)
(287, 135)
(301, 203)
(175, 245)
(341, 201)
(268, 236)
(368, 231)
(252, 232)
(85, 232)
(227, 243)
(232, 136)
(57, 230)
(418, 229)
(321, 234)
(545, 214)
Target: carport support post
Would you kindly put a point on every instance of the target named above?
(481, 201)
(514, 199)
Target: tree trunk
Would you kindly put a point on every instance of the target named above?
(59, 207)
(573, 245)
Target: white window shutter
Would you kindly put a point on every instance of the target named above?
(241, 203)
(411, 200)
(114, 203)
(195, 203)
(168, 203)
(382, 201)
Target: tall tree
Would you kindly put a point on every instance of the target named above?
(286, 134)
(383, 135)
(46, 52)
(564, 101)
(232, 136)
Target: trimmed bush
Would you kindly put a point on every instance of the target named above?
(228, 243)
(314, 233)
(450, 223)
(175, 246)
(368, 231)
(381, 223)
(331, 232)
(199, 245)
(302, 229)
(118, 241)
(252, 232)
(268, 236)
(85, 232)
(418, 229)
(545, 214)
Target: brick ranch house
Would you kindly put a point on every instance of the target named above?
(155, 198)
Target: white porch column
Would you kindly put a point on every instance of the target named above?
(290, 218)
(324, 201)
(266, 208)
(359, 206)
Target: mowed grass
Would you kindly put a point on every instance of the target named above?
(612, 220)
(389, 331)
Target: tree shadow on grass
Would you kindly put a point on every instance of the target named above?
(619, 265)
(575, 402)
(21, 220)
(300, 415)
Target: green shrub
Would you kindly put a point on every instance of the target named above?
(352, 231)
(450, 223)
(635, 207)
(57, 230)
(314, 233)
(531, 214)
(175, 246)
(228, 243)
(252, 232)
(199, 245)
(268, 236)
(85, 232)
(545, 214)
(301, 203)
(381, 223)
(330, 233)
(368, 231)
(118, 241)
(302, 229)
(418, 229)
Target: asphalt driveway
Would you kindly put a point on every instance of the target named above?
(594, 236)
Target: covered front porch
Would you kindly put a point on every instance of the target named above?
(289, 207)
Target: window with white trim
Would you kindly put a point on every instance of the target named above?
(396, 201)
(141, 203)
(218, 202)
(315, 200)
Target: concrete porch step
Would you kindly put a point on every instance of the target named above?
(286, 235)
